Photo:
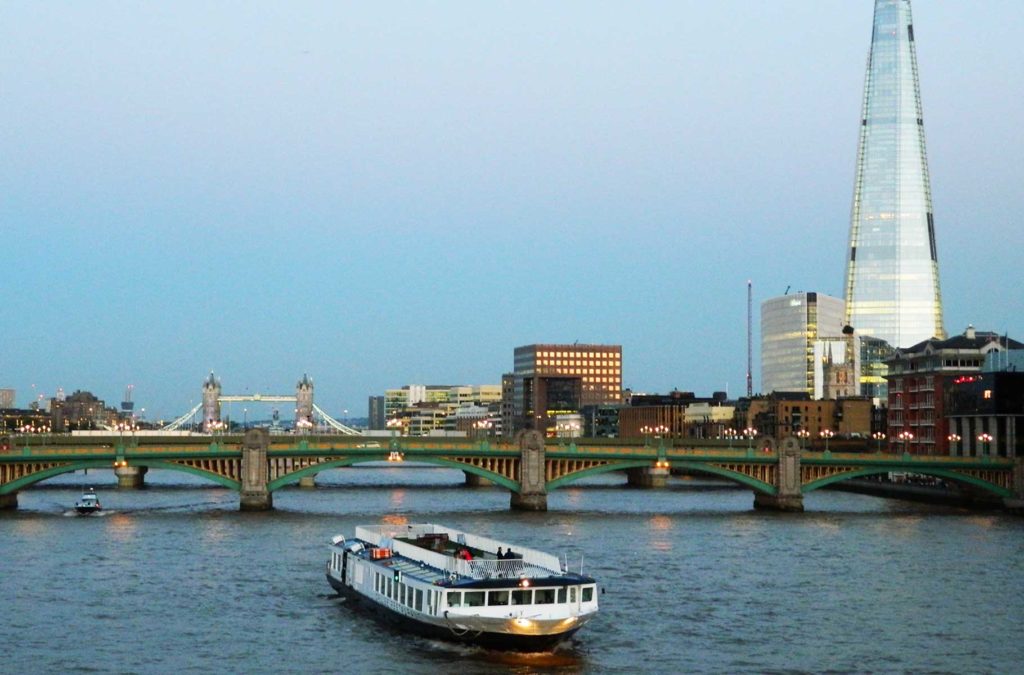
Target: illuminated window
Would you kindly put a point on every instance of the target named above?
(988, 393)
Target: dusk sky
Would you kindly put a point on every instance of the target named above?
(380, 194)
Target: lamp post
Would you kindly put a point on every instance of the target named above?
(803, 435)
(646, 431)
(751, 434)
(730, 433)
(984, 439)
(906, 437)
(482, 428)
(879, 437)
(827, 434)
(953, 440)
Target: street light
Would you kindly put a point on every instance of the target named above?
(482, 427)
(984, 439)
(827, 434)
(879, 437)
(394, 425)
(751, 434)
(731, 434)
(954, 439)
(906, 437)
(803, 435)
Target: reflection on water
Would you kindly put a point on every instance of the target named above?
(121, 527)
(661, 527)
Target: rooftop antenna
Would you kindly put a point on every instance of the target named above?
(750, 333)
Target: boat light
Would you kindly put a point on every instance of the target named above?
(524, 583)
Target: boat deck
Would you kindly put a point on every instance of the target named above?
(482, 566)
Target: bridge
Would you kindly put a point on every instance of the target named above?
(307, 413)
(257, 463)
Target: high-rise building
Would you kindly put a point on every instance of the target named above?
(793, 327)
(892, 273)
(550, 380)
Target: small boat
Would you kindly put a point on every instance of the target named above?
(446, 584)
(88, 503)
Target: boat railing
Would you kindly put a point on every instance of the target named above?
(483, 568)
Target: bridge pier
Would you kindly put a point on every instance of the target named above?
(533, 493)
(788, 495)
(475, 481)
(9, 501)
(647, 477)
(254, 495)
(308, 481)
(1016, 503)
(130, 477)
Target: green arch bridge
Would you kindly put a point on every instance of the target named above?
(257, 463)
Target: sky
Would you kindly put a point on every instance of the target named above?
(380, 194)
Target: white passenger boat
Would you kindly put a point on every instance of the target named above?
(443, 583)
(88, 503)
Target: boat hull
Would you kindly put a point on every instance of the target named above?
(487, 639)
(86, 510)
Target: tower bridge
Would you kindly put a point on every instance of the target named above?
(256, 464)
(307, 413)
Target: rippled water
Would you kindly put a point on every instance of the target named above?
(174, 578)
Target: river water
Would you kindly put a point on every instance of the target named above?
(174, 578)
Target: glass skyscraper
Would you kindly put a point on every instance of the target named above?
(892, 275)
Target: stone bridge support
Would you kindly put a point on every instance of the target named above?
(476, 480)
(254, 495)
(130, 477)
(1016, 503)
(9, 501)
(533, 492)
(788, 496)
(648, 477)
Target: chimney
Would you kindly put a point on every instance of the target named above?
(969, 333)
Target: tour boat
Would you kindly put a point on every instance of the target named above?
(88, 503)
(446, 584)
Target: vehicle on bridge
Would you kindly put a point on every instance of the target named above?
(88, 503)
(445, 584)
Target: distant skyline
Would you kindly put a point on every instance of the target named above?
(404, 193)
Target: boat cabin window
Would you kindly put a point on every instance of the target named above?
(522, 597)
(561, 595)
(473, 598)
(497, 597)
(455, 598)
(389, 589)
(572, 594)
(544, 596)
(419, 600)
(588, 593)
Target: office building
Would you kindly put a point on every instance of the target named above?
(560, 379)
(791, 327)
(892, 272)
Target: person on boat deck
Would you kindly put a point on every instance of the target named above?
(465, 554)
(501, 554)
(509, 555)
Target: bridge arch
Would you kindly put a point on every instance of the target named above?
(71, 467)
(947, 474)
(294, 476)
(734, 476)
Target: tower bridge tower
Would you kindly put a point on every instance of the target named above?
(211, 401)
(303, 402)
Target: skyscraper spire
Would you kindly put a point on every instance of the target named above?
(892, 274)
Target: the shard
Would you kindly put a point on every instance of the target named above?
(892, 274)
